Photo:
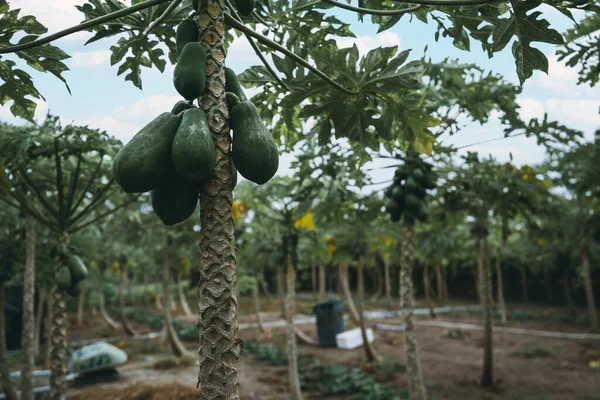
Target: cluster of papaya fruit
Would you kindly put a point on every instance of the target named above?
(174, 155)
(406, 195)
(72, 272)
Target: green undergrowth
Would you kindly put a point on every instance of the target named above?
(185, 330)
(529, 351)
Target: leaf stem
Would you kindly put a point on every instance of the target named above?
(370, 11)
(82, 26)
(161, 18)
(229, 20)
(260, 19)
(449, 2)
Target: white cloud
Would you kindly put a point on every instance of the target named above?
(122, 130)
(91, 59)
(147, 107)
(530, 109)
(368, 43)
(40, 113)
(54, 15)
(577, 113)
(561, 81)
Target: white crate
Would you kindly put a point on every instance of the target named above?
(353, 338)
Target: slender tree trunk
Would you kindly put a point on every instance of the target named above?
(124, 321)
(445, 281)
(313, 278)
(28, 315)
(500, 288)
(158, 302)
(292, 351)
(107, 319)
(48, 326)
(427, 290)
(322, 283)
(5, 382)
(256, 296)
(182, 299)
(439, 282)
(58, 338)
(172, 338)
(346, 289)
(587, 281)
(478, 282)
(407, 303)
(218, 325)
(387, 282)
(548, 282)
(524, 285)
(144, 289)
(38, 320)
(129, 299)
(568, 295)
(263, 285)
(487, 379)
(80, 305)
(379, 287)
(281, 289)
(369, 351)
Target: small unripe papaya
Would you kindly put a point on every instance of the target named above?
(189, 77)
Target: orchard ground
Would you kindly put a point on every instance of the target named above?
(527, 367)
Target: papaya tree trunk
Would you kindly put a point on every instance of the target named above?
(379, 283)
(500, 288)
(568, 294)
(346, 289)
(322, 283)
(172, 338)
(427, 290)
(256, 297)
(182, 299)
(292, 351)
(126, 325)
(370, 353)
(478, 281)
(281, 289)
(548, 283)
(263, 285)
(587, 282)
(439, 282)
(48, 326)
(387, 282)
(5, 382)
(411, 347)
(81, 305)
(58, 338)
(524, 285)
(27, 314)
(158, 302)
(38, 320)
(313, 278)
(107, 319)
(487, 379)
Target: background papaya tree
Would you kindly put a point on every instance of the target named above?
(67, 172)
(581, 49)
(146, 24)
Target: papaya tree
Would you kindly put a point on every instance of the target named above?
(383, 85)
(66, 171)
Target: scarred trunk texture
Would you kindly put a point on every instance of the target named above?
(411, 347)
(346, 289)
(28, 324)
(322, 283)
(5, 383)
(387, 282)
(369, 351)
(587, 281)
(487, 379)
(38, 320)
(58, 339)
(182, 299)
(217, 322)
(292, 351)
(107, 319)
(172, 338)
(281, 289)
(126, 325)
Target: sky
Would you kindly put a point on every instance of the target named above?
(101, 99)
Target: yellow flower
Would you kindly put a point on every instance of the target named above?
(116, 268)
(186, 263)
(305, 221)
(331, 246)
(541, 242)
(239, 209)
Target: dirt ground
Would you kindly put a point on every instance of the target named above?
(526, 367)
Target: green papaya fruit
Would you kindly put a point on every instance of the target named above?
(234, 177)
(412, 203)
(233, 85)
(389, 191)
(175, 200)
(391, 206)
(193, 149)
(181, 106)
(429, 182)
(253, 149)
(187, 31)
(75, 289)
(189, 76)
(395, 217)
(423, 212)
(141, 164)
(398, 194)
(77, 268)
(400, 174)
(418, 174)
(63, 278)
(410, 186)
(244, 7)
